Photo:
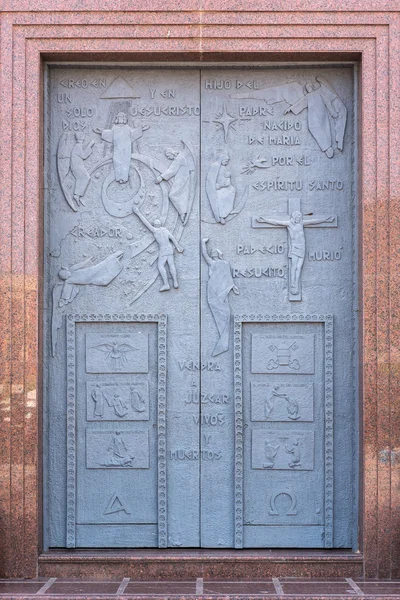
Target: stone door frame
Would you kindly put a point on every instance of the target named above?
(29, 39)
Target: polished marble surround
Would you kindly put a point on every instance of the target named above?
(367, 32)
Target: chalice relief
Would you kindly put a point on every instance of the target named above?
(295, 223)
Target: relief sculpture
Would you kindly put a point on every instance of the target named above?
(297, 243)
(221, 192)
(292, 405)
(294, 450)
(220, 284)
(122, 136)
(118, 449)
(118, 453)
(116, 353)
(118, 401)
(322, 102)
(242, 395)
(98, 399)
(284, 402)
(71, 154)
(283, 450)
(295, 224)
(179, 173)
(270, 451)
(282, 354)
(166, 243)
(82, 273)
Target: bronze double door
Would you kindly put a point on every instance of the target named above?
(200, 307)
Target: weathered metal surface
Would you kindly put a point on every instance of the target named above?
(221, 202)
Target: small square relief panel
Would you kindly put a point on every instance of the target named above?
(117, 353)
(117, 402)
(282, 354)
(117, 449)
(282, 450)
(282, 402)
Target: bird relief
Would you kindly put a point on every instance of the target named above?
(117, 353)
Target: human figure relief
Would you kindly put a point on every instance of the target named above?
(98, 399)
(221, 192)
(270, 451)
(71, 154)
(292, 407)
(297, 243)
(137, 401)
(166, 243)
(322, 101)
(118, 454)
(179, 172)
(296, 455)
(120, 407)
(122, 136)
(220, 283)
(270, 401)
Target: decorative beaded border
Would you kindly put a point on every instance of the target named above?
(238, 383)
(161, 320)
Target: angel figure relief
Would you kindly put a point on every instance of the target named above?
(75, 276)
(179, 175)
(322, 102)
(71, 156)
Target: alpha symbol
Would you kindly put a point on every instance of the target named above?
(115, 505)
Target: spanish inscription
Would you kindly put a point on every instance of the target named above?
(295, 223)
(169, 191)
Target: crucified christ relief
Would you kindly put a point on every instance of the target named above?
(295, 223)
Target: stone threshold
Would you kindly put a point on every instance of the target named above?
(180, 564)
(199, 589)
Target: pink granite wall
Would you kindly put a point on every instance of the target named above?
(33, 31)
